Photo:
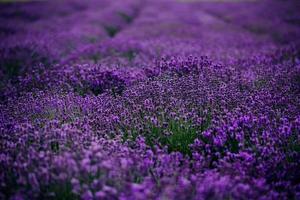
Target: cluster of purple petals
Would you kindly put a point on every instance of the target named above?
(159, 99)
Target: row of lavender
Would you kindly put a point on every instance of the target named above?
(149, 100)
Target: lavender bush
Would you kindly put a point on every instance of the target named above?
(159, 99)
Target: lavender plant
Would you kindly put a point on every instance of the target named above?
(156, 99)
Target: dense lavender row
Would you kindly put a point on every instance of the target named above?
(132, 99)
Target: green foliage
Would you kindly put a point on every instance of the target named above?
(207, 122)
(126, 17)
(177, 135)
(233, 145)
(130, 55)
(181, 135)
(292, 145)
(111, 30)
(95, 57)
(129, 134)
(137, 178)
(260, 83)
(82, 90)
(54, 145)
(13, 68)
(62, 191)
(92, 39)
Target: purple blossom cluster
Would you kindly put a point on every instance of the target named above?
(159, 99)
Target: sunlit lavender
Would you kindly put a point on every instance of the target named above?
(150, 99)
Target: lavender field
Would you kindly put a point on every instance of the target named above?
(150, 99)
